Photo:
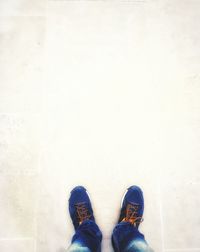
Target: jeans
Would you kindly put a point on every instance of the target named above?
(125, 238)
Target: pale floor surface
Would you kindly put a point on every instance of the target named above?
(103, 94)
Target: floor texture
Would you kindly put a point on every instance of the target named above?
(103, 94)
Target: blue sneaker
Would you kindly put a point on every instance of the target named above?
(80, 207)
(132, 207)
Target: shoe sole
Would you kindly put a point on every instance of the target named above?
(88, 195)
(123, 197)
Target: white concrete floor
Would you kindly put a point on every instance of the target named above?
(103, 94)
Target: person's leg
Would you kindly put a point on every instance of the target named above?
(88, 236)
(126, 236)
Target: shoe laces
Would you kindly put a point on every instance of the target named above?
(82, 211)
(132, 214)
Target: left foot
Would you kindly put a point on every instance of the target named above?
(80, 207)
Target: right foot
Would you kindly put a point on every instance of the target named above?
(132, 206)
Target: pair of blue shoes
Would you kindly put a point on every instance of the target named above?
(132, 207)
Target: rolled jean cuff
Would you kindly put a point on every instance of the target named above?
(89, 235)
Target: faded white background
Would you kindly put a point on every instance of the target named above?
(104, 94)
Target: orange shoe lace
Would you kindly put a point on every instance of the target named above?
(82, 212)
(132, 214)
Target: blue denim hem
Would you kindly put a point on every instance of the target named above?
(89, 235)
